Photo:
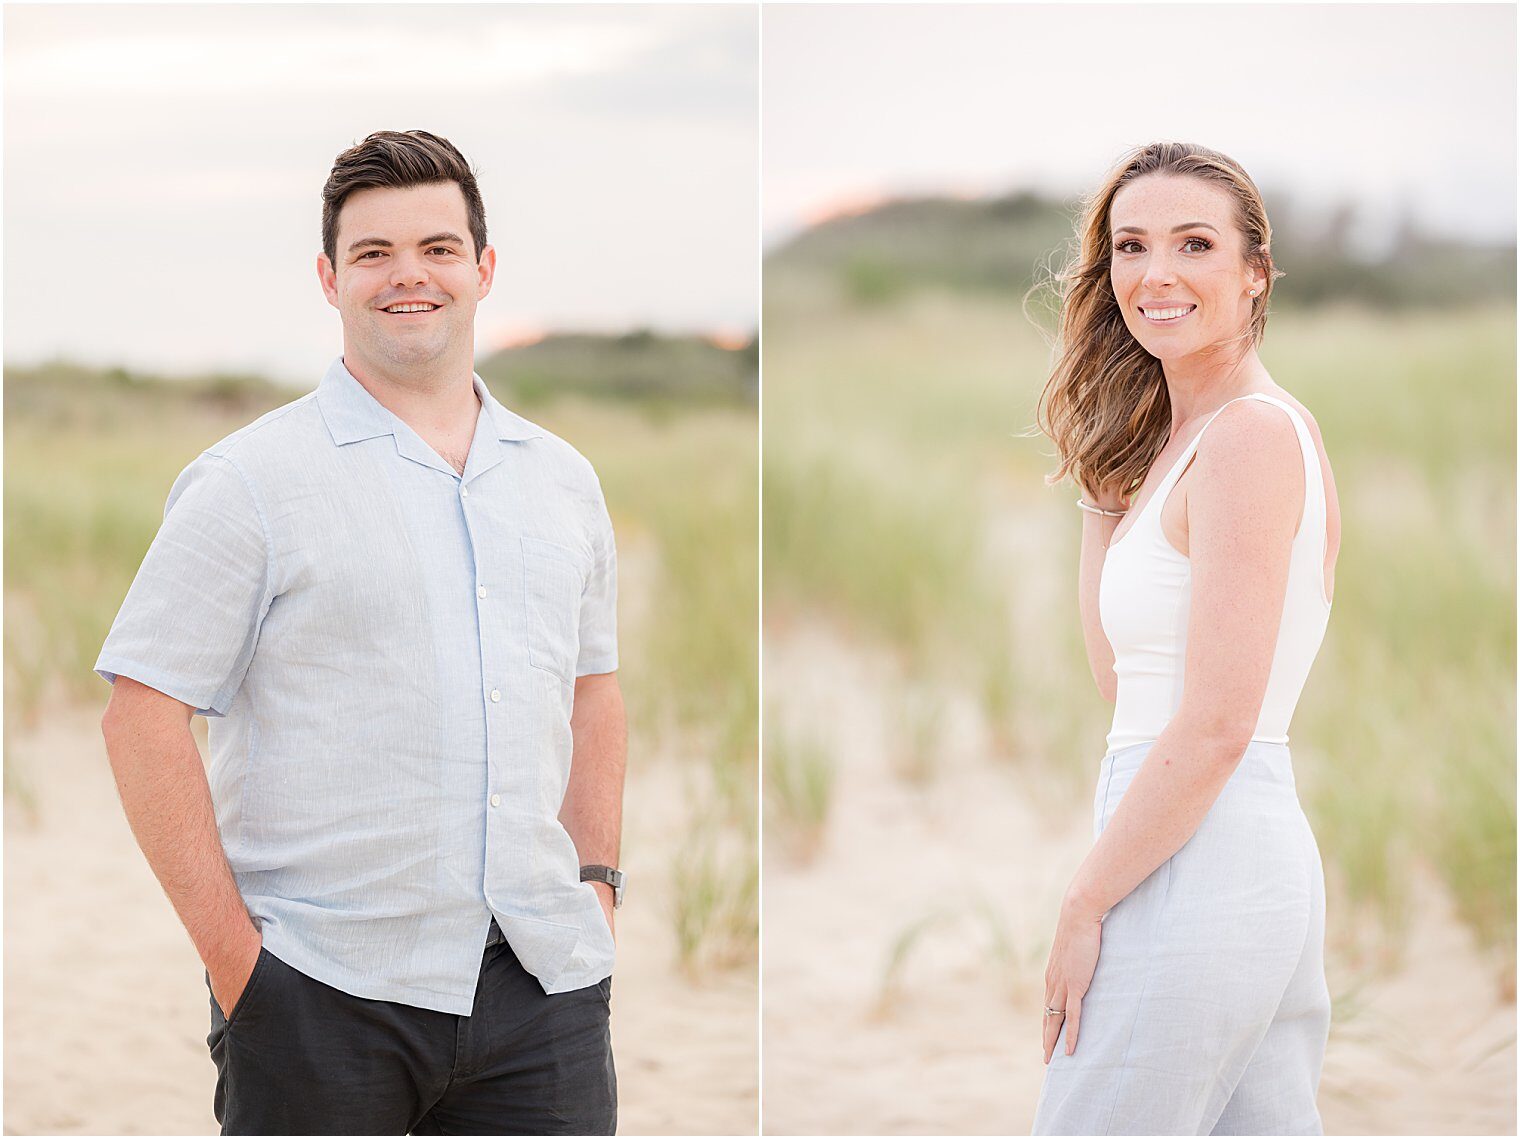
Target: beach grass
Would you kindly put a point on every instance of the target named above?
(686, 486)
(904, 502)
(800, 776)
(681, 488)
(971, 924)
(909, 936)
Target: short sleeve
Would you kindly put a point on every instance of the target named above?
(191, 618)
(598, 654)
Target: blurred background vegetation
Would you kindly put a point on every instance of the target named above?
(993, 246)
(669, 422)
(905, 511)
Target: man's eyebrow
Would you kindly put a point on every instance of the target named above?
(431, 239)
(1175, 229)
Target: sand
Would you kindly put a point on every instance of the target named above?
(106, 1010)
(106, 1014)
(903, 967)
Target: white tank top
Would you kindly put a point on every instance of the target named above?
(1145, 594)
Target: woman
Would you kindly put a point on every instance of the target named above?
(1210, 531)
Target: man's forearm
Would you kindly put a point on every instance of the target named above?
(592, 812)
(163, 790)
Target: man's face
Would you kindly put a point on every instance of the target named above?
(407, 248)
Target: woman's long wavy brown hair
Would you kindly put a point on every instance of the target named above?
(1106, 406)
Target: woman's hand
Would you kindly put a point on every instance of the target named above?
(1068, 975)
(1110, 498)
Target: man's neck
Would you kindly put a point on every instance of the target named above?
(431, 405)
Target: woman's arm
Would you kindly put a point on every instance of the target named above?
(1243, 507)
(1097, 531)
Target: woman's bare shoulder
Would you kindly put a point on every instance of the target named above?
(1302, 409)
(1247, 441)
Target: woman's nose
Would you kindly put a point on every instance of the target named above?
(1158, 272)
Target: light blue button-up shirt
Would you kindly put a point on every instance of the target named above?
(387, 653)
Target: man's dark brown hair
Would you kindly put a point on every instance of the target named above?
(397, 160)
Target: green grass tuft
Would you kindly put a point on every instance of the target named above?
(904, 502)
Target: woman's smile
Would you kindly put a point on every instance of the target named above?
(1177, 268)
(1165, 315)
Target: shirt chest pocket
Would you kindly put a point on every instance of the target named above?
(553, 581)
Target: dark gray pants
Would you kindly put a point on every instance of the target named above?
(300, 1057)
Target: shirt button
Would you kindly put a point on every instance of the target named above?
(495, 800)
(464, 491)
(480, 592)
(496, 695)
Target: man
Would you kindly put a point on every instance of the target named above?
(394, 600)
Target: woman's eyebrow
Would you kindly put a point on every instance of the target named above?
(1175, 229)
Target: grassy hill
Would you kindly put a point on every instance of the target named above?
(986, 244)
(90, 455)
(636, 366)
(640, 367)
(995, 244)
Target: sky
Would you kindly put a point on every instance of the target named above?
(163, 167)
(1393, 108)
(163, 163)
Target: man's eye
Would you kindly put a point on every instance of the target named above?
(370, 254)
(436, 249)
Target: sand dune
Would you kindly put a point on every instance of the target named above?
(961, 876)
(106, 1010)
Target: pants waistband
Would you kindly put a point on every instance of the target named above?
(1269, 761)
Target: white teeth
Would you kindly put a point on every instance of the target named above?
(1167, 314)
(410, 308)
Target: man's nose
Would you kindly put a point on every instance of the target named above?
(407, 270)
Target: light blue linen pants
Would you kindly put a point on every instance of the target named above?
(1208, 1012)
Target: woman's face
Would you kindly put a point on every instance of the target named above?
(1178, 269)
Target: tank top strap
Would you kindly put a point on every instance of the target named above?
(1313, 523)
(1311, 529)
(1164, 489)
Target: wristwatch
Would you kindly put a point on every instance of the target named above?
(612, 876)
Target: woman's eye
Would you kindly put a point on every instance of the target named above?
(1128, 246)
(1197, 245)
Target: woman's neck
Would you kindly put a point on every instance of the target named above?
(1201, 383)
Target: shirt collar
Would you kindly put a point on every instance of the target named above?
(508, 425)
(352, 414)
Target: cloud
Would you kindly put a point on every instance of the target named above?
(182, 150)
(302, 52)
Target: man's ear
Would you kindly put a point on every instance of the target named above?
(487, 269)
(328, 277)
